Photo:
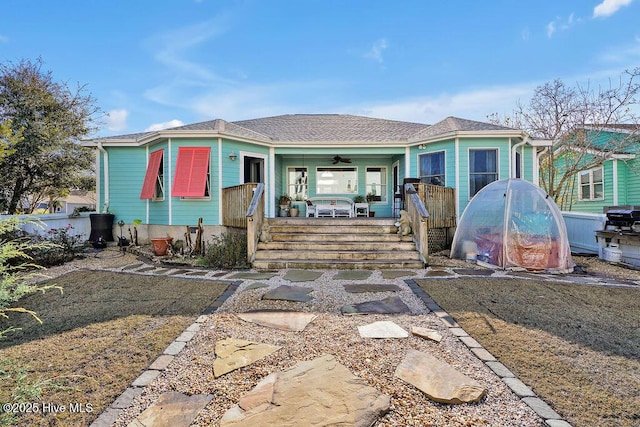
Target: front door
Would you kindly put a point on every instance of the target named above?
(253, 169)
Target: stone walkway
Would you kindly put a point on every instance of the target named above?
(178, 409)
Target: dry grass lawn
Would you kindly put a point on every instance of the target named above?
(577, 346)
(96, 338)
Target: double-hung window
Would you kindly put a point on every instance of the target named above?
(297, 185)
(192, 174)
(483, 169)
(153, 186)
(377, 183)
(591, 184)
(432, 168)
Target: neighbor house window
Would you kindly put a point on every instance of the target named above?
(297, 183)
(591, 185)
(377, 183)
(483, 169)
(192, 175)
(432, 168)
(153, 186)
(330, 180)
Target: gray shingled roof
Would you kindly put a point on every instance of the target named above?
(329, 128)
(220, 125)
(456, 124)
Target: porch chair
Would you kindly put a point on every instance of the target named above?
(311, 209)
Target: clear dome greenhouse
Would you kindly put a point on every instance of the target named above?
(513, 224)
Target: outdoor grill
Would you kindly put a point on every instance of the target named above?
(623, 218)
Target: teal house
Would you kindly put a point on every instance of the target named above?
(173, 177)
(614, 179)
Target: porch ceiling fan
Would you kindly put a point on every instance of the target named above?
(338, 159)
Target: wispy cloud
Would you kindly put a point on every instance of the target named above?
(561, 24)
(4, 39)
(475, 104)
(376, 50)
(609, 7)
(172, 48)
(164, 125)
(117, 120)
(627, 55)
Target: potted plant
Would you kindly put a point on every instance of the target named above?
(161, 244)
(370, 199)
(285, 203)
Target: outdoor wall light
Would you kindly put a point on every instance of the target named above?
(232, 156)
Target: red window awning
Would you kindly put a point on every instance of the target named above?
(191, 172)
(152, 174)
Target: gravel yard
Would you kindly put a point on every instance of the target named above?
(373, 360)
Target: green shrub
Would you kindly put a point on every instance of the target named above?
(15, 262)
(227, 251)
(63, 246)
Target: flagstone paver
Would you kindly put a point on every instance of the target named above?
(370, 287)
(316, 392)
(473, 272)
(252, 276)
(232, 354)
(391, 305)
(289, 293)
(257, 285)
(285, 320)
(394, 274)
(427, 333)
(302, 275)
(438, 380)
(382, 329)
(438, 273)
(173, 409)
(352, 275)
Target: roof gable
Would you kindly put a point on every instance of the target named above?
(455, 124)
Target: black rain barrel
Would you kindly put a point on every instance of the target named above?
(101, 226)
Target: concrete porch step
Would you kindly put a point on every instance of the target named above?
(334, 229)
(356, 255)
(337, 264)
(332, 222)
(353, 244)
(338, 237)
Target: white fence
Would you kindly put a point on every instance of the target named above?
(581, 229)
(81, 225)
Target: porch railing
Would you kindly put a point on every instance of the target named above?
(419, 221)
(440, 202)
(235, 201)
(254, 217)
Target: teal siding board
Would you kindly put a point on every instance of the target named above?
(127, 167)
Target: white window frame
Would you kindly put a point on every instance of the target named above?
(497, 172)
(354, 185)
(158, 196)
(444, 183)
(291, 186)
(384, 187)
(591, 184)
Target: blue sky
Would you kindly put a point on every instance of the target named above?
(152, 64)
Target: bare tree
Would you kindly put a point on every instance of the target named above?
(587, 125)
